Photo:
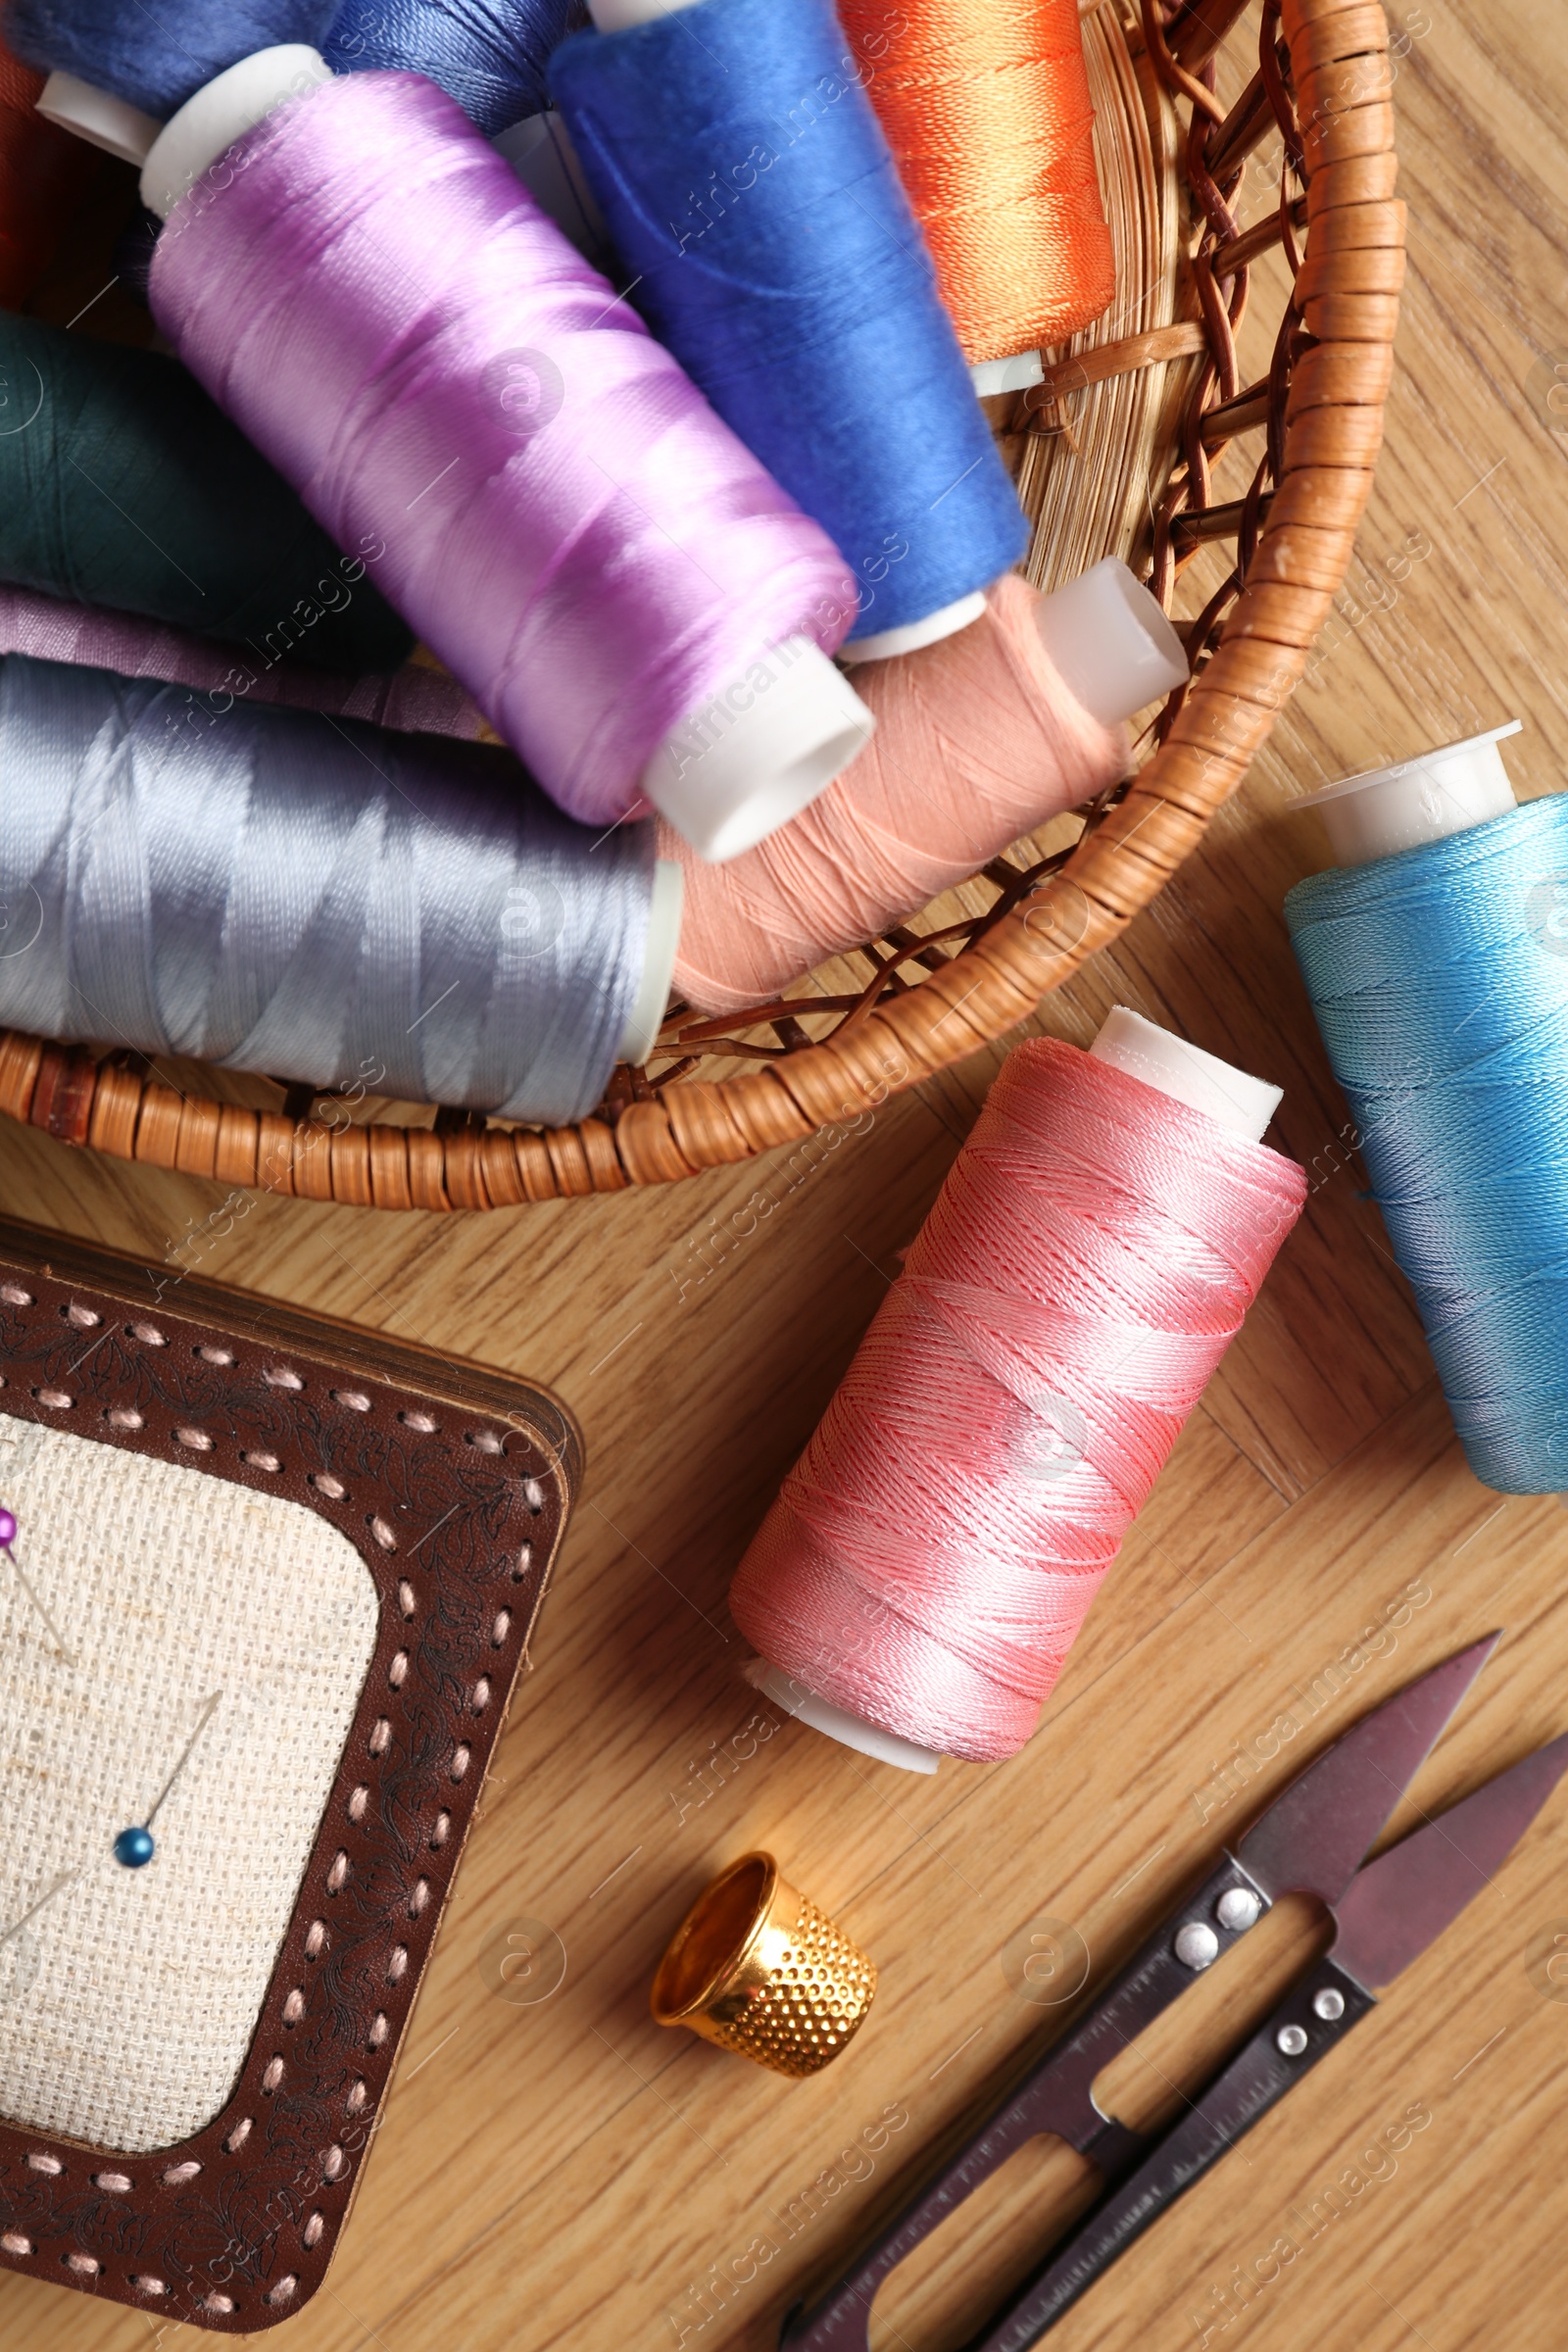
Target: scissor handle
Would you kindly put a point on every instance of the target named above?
(1316, 2013)
(1055, 2096)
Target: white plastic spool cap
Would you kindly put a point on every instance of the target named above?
(912, 635)
(618, 16)
(1014, 374)
(545, 159)
(760, 752)
(1112, 645)
(223, 110)
(1443, 792)
(658, 963)
(868, 1738)
(97, 116)
(1186, 1073)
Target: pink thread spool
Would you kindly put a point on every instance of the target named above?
(633, 603)
(980, 738)
(919, 1580)
(416, 699)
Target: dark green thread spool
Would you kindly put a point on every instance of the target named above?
(123, 484)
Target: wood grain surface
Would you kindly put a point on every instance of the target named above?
(558, 2173)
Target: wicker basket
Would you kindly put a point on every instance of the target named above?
(1145, 405)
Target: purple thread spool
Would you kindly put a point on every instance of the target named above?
(632, 601)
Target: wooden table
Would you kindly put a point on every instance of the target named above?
(560, 2172)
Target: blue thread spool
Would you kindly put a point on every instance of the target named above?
(760, 216)
(490, 59)
(116, 73)
(1437, 959)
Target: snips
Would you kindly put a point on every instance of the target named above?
(1311, 1840)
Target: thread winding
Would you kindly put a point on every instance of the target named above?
(490, 59)
(988, 111)
(365, 286)
(1091, 1255)
(1440, 981)
(977, 742)
(757, 209)
(418, 699)
(314, 901)
(123, 484)
(156, 59)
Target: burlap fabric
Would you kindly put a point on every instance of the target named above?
(128, 2000)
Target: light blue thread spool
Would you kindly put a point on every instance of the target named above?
(1437, 959)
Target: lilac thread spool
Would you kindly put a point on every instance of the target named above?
(632, 601)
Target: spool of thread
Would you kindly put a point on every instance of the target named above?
(316, 902)
(988, 111)
(639, 610)
(123, 484)
(116, 74)
(540, 151)
(42, 175)
(978, 740)
(491, 58)
(921, 1577)
(1436, 957)
(419, 698)
(758, 214)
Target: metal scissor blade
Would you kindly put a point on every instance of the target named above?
(1400, 1902)
(1313, 1836)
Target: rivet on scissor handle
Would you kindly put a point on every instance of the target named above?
(1291, 2040)
(1238, 1908)
(758, 1969)
(1328, 2004)
(1197, 1944)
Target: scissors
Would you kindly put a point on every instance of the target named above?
(1310, 1839)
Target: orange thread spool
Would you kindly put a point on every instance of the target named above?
(42, 171)
(986, 107)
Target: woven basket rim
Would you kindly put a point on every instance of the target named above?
(1323, 84)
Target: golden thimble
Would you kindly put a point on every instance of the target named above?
(759, 1970)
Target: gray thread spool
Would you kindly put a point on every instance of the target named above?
(317, 899)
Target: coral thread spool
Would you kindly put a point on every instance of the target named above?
(980, 738)
(988, 111)
(656, 614)
(1436, 955)
(795, 290)
(920, 1579)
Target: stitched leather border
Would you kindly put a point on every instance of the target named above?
(453, 1484)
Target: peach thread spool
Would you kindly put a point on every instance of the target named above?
(918, 1583)
(988, 111)
(978, 739)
